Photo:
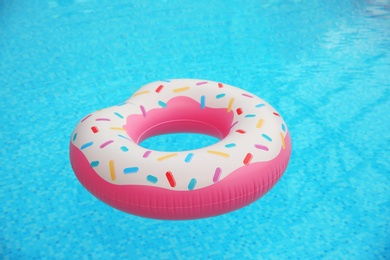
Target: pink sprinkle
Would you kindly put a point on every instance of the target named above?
(102, 119)
(201, 83)
(146, 154)
(262, 147)
(86, 117)
(143, 110)
(217, 174)
(246, 95)
(106, 143)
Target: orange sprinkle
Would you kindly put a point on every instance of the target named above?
(230, 104)
(117, 128)
(141, 93)
(181, 89)
(166, 156)
(226, 155)
(260, 123)
(112, 169)
(283, 143)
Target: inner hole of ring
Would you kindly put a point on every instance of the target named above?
(179, 135)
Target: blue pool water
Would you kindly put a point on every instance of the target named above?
(324, 65)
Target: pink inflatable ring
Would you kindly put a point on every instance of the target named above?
(252, 154)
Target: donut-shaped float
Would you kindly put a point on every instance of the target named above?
(252, 154)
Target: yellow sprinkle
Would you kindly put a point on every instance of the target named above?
(230, 104)
(112, 169)
(117, 128)
(260, 123)
(140, 93)
(219, 153)
(166, 156)
(181, 89)
(283, 143)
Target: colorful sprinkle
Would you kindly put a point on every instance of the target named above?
(261, 147)
(220, 95)
(158, 91)
(230, 104)
(170, 179)
(250, 115)
(117, 128)
(141, 93)
(106, 143)
(220, 85)
(74, 136)
(94, 163)
(124, 148)
(189, 157)
(102, 119)
(181, 89)
(202, 102)
(230, 145)
(85, 118)
(162, 104)
(94, 129)
(143, 110)
(152, 179)
(86, 145)
(247, 95)
(124, 137)
(226, 155)
(112, 169)
(192, 184)
(130, 170)
(217, 174)
(276, 114)
(283, 142)
(260, 123)
(239, 111)
(260, 105)
(118, 115)
(166, 156)
(240, 131)
(201, 83)
(267, 137)
(146, 154)
(248, 158)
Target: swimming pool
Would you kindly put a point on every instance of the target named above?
(324, 65)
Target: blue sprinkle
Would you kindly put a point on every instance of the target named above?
(250, 115)
(118, 115)
(267, 137)
(192, 184)
(202, 102)
(163, 104)
(124, 148)
(124, 137)
(94, 163)
(152, 179)
(74, 137)
(130, 170)
(220, 95)
(230, 145)
(260, 105)
(86, 145)
(283, 127)
(189, 157)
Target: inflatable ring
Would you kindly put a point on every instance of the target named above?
(252, 154)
